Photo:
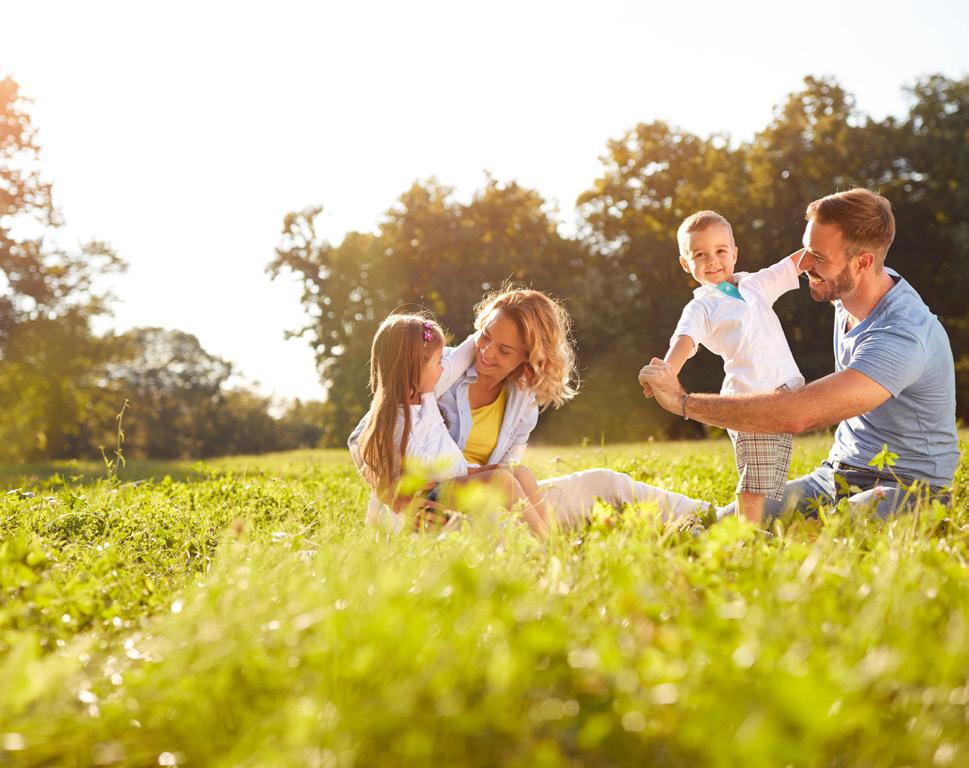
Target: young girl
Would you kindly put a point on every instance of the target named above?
(404, 431)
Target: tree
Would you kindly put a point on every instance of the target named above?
(816, 143)
(304, 424)
(430, 252)
(50, 362)
(52, 384)
(39, 277)
(930, 190)
(621, 278)
(653, 177)
(175, 390)
(240, 422)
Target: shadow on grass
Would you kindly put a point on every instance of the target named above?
(285, 464)
(40, 473)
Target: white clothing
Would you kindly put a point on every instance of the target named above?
(520, 418)
(430, 449)
(746, 334)
(570, 499)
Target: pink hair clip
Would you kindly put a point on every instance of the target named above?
(428, 331)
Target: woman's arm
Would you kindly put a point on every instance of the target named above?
(519, 440)
(456, 363)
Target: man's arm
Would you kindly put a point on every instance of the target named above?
(826, 401)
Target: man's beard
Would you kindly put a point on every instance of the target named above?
(836, 288)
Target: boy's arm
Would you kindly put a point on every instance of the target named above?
(681, 350)
(777, 279)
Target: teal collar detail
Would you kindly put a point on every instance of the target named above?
(726, 288)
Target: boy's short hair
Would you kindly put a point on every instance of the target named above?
(696, 222)
(864, 218)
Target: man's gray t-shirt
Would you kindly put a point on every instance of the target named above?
(903, 347)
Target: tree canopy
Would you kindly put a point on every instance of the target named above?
(619, 274)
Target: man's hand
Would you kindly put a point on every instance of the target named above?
(658, 376)
(647, 390)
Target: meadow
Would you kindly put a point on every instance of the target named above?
(238, 613)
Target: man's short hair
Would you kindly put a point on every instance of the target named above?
(697, 222)
(864, 218)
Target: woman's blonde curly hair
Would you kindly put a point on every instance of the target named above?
(545, 327)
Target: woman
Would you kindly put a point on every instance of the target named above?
(524, 363)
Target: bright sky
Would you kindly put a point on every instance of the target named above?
(182, 132)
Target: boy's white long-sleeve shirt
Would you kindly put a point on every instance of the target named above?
(746, 334)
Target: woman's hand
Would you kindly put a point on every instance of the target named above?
(483, 468)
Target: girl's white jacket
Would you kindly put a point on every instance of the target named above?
(431, 451)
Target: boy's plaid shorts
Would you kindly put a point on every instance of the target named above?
(763, 462)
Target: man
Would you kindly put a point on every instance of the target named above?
(894, 379)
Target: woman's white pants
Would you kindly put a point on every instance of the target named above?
(571, 498)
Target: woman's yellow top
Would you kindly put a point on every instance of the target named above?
(485, 425)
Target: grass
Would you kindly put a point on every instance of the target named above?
(237, 612)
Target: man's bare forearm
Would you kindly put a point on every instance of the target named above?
(760, 412)
(827, 401)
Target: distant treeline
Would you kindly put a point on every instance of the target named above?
(60, 384)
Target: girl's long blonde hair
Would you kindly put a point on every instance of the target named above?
(550, 371)
(401, 346)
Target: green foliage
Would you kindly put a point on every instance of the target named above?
(112, 465)
(50, 361)
(243, 615)
(884, 458)
(61, 384)
(431, 251)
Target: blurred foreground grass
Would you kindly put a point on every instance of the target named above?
(237, 612)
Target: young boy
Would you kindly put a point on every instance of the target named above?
(732, 315)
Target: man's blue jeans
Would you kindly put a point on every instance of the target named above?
(867, 490)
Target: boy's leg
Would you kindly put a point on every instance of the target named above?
(751, 506)
(802, 494)
(763, 463)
